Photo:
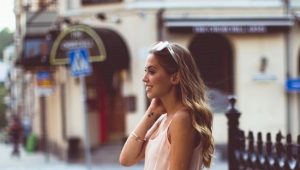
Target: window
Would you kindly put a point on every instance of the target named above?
(36, 50)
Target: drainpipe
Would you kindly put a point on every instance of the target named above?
(287, 38)
(44, 136)
(160, 24)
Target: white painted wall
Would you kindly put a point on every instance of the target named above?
(262, 103)
(74, 110)
(295, 67)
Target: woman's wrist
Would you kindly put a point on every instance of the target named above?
(137, 137)
(152, 115)
(144, 125)
(150, 118)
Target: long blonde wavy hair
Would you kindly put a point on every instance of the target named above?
(191, 90)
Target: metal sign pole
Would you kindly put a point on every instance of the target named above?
(80, 67)
(44, 128)
(87, 147)
(44, 82)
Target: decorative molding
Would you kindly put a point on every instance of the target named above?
(205, 4)
(154, 5)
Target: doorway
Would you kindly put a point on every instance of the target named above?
(214, 58)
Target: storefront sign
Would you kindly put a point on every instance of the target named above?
(44, 83)
(75, 37)
(230, 29)
(228, 25)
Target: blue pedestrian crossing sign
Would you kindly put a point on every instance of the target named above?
(293, 85)
(79, 62)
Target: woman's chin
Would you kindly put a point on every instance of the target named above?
(149, 96)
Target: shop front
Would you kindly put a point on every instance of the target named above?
(58, 116)
(109, 58)
(241, 57)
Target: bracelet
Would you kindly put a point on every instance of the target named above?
(137, 138)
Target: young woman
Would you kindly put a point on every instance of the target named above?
(176, 131)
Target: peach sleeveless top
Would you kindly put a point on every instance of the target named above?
(157, 154)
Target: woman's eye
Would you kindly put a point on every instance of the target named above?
(150, 71)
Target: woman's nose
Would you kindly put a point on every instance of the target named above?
(145, 79)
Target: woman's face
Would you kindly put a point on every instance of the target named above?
(156, 79)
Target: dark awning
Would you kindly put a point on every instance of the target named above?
(116, 49)
(105, 46)
(229, 25)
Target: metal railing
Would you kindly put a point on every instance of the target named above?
(246, 153)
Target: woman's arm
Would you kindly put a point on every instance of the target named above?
(183, 139)
(134, 148)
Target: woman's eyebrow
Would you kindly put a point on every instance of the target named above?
(150, 67)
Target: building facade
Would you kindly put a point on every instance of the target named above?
(244, 48)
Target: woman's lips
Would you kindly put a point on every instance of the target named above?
(148, 87)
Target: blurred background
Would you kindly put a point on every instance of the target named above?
(246, 48)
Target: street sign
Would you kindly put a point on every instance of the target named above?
(79, 62)
(293, 85)
(44, 83)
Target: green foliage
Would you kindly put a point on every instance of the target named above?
(2, 106)
(6, 38)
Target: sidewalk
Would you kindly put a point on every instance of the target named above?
(38, 161)
(110, 154)
(105, 158)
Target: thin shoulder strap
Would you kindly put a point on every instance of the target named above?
(169, 123)
(155, 126)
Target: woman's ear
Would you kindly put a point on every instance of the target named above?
(175, 78)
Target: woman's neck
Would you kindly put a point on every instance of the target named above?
(171, 103)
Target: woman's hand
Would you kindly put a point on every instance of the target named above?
(156, 107)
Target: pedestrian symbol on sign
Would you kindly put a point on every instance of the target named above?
(79, 62)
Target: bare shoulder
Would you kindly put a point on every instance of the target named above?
(181, 128)
(182, 119)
